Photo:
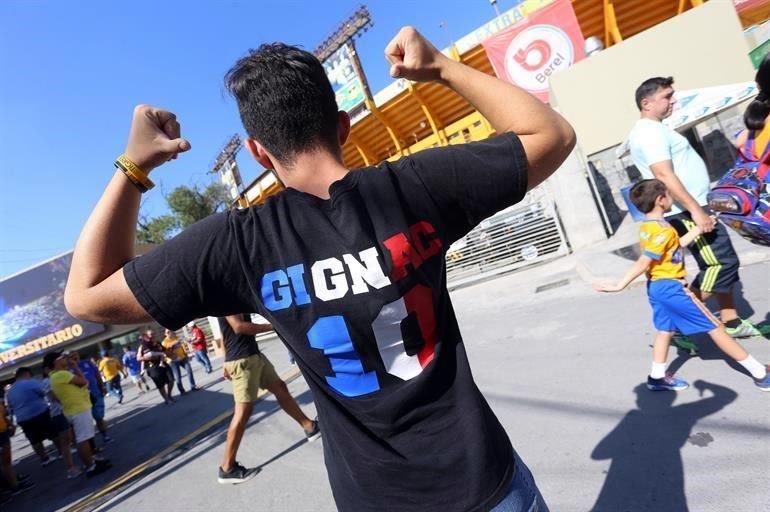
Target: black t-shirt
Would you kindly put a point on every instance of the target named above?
(145, 347)
(237, 346)
(356, 287)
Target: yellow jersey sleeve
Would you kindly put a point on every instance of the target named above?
(656, 239)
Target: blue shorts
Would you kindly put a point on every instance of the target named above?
(675, 308)
(97, 406)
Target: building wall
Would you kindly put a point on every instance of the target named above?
(577, 210)
(703, 47)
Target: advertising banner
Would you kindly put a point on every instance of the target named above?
(529, 52)
(32, 314)
(510, 17)
(348, 86)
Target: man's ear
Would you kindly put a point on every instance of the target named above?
(343, 127)
(645, 104)
(259, 153)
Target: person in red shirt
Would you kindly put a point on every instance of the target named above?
(200, 347)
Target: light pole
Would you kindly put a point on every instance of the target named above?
(494, 4)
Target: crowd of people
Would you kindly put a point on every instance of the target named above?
(65, 403)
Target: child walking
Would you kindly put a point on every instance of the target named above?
(674, 307)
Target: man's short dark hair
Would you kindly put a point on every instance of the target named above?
(651, 86)
(23, 371)
(285, 100)
(644, 194)
(49, 359)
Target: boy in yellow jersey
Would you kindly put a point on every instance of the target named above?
(674, 307)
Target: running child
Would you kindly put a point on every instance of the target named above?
(674, 307)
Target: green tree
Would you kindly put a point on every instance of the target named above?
(187, 206)
(155, 230)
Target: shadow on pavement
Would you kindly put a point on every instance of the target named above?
(646, 472)
(214, 437)
(707, 351)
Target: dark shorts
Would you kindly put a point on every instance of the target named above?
(159, 375)
(5, 440)
(717, 260)
(59, 424)
(38, 429)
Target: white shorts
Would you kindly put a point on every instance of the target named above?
(137, 378)
(83, 425)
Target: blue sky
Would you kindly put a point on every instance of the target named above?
(71, 72)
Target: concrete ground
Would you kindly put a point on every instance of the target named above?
(562, 368)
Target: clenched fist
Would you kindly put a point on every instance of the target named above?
(155, 138)
(411, 56)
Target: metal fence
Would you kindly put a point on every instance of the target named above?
(521, 235)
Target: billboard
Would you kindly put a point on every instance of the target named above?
(515, 14)
(32, 314)
(529, 52)
(348, 86)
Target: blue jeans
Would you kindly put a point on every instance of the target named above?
(523, 495)
(176, 369)
(203, 358)
(114, 387)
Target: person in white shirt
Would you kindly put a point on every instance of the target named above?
(660, 152)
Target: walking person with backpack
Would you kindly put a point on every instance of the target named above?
(743, 193)
(660, 152)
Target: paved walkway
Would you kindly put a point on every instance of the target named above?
(562, 368)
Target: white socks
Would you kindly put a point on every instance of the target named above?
(658, 370)
(754, 367)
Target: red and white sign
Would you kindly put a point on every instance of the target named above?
(529, 52)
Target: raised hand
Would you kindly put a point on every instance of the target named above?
(155, 138)
(411, 56)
